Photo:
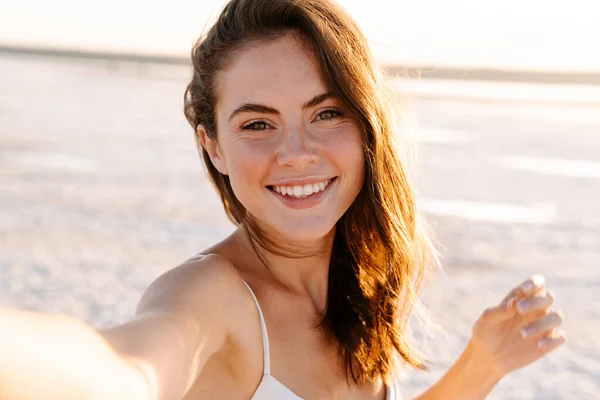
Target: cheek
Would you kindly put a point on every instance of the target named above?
(346, 147)
(247, 162)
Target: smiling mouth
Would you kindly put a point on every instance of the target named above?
(302, 191)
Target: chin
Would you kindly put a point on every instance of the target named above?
(306, 232)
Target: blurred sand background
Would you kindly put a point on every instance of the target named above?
(101, 188)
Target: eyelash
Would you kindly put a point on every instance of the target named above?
(252, 125)
(336, 113)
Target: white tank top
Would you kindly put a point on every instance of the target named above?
(270, 388)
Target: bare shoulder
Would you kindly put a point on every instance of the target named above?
(211, 293)
(184, 319)
(200, 284)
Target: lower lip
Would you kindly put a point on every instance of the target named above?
(307, 202)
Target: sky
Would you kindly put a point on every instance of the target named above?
(511, 34)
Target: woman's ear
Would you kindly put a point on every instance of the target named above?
(212, 148)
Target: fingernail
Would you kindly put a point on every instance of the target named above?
(523, 306)
(538, 280)
(525, 332)
(548, 341)
(527, 286)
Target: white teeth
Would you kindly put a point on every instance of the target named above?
(307, 189)
(302, 191)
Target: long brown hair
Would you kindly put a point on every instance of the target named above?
(381, 252)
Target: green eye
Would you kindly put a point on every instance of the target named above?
(255, 126)
(328, 115)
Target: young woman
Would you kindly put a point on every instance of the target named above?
(310, 296)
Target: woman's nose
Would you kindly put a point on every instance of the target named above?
(297, 149)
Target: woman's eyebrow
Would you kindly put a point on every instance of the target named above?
(261, 108)
(251, 107)
(318, 99)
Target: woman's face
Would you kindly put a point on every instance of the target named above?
(293, 154)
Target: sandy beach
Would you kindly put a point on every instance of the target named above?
(102, 190)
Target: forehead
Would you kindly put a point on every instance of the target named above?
(283, 69)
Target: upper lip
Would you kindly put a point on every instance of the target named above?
(300, 181)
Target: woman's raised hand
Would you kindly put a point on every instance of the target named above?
(520, 330)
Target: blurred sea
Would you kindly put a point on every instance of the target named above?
(534, 35)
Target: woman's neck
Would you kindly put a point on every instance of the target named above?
(307, 276)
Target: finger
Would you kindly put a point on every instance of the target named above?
(541, 301)
(499, 313)
(535, 282)
(543, 325)
(532, 284)
(552, 340)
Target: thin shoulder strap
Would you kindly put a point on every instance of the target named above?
(265, 336)
(263, 325)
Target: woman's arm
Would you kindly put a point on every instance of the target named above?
(465, 380)
(507, 337)
(181, 321)
(45, 356)
(183, 318)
